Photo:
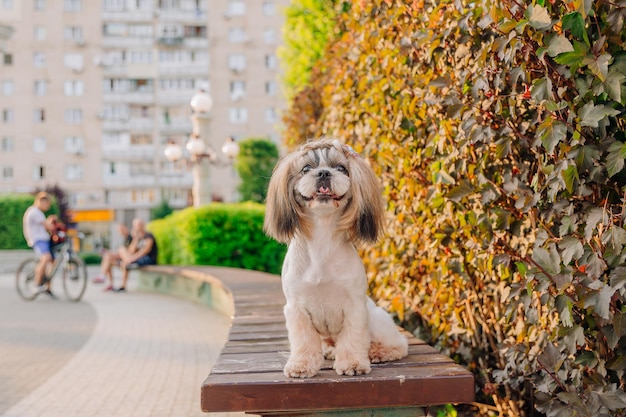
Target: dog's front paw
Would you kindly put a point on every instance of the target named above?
(300, 369)
(380, 352)
(352, 367)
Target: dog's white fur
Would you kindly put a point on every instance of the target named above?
(321, 200)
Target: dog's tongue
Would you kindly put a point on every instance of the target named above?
(324, 190)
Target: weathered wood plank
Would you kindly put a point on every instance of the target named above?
(383, 387)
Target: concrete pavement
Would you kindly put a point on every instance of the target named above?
(112, 354)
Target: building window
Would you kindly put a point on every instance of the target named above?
(38, 172)
(269, 36)
(237, 35)
(39, 59)
(74, 88)
(39, 115)
(74, 145)
(74, 61)
(40, 88)
(114, 5)
(237, 62)
(7, 144)
(39, 33)
(270, 88)
(238, 115)
(270, 115)
(237, 90)
(73, 172)
(8, 115)
(73, 33)
(73, 116)
(39, 144)
(270, 62)
(8, 59)
(8, 88)
(236, 8)
(39, 5)
(7, 173)
(72, 5)
(268, 8)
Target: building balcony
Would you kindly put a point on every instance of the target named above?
(129, 16)
(195, 15)
(132, 153)
(175, 126)
(177, 98)
(129, 97)
(196, 43)
(126, 42)
(171, 40)
(184, 68)
(126, 181)
(133, 125)
(175, 179)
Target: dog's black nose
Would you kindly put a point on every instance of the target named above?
(323, 174)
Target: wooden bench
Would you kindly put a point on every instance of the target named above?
(248, 374)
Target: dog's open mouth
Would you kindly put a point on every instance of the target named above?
(323, 193)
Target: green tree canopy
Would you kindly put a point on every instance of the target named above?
(254, 164)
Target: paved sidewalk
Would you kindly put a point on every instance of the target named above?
(113, 354)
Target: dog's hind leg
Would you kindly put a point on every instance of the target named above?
(388, 344)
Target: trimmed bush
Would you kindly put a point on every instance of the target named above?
(12, 209)
(497, 128)
(218, 234)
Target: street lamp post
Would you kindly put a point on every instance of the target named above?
(201, 104)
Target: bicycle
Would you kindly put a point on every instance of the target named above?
(73, 268)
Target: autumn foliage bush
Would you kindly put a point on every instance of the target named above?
(497, 128)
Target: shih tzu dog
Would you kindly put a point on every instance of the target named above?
(321, 200)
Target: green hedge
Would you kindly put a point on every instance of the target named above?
(218, 234)
(12, 208)
(497, 128)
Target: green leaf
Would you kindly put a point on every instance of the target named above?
(595, 216)
(564, 307)
(571, 248)
(613, 85)
(599, 65)
(551, 133)
(559, 45)
(541, 89)
(549, 260)
(462, 190)
(573, 59)
(601, 301)
(618, 277)
(615, 158)
(590, 114)
(569, 175)
(575, 23)
(538, 17)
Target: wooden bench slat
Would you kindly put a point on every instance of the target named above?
(275, 361)
(383, 387)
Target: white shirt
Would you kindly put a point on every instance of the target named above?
(34, 226)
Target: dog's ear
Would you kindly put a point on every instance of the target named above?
(281, 216)
(366, 212)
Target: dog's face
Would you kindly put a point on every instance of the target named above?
(324, 177)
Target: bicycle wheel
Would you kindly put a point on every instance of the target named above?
(25, 280)
(74, 278)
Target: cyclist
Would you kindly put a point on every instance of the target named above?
(36, 233)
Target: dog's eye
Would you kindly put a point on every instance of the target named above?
(306, 169)
(342, 169)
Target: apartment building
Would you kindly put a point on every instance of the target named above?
(92, 91)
